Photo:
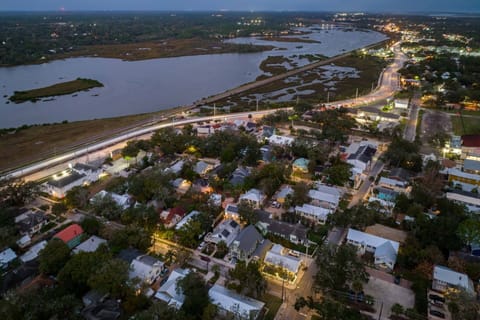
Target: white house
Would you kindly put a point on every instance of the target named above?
(89, 245)
(385, 251)
(313, 213)
(276, 256)
(176, 167)
(186, 219)
(24, 241)
(231, 212)
(146, 268)
(393, 184)
(33, 252)
(470, 200)
(226, 231)
(168, 291)
(280, 140)
(77, 175)
(324, 199)
(232, 303)
(254, 196)
(445, 279)
(401, 104)
(361, 159)
(7, 256)
(123, 201)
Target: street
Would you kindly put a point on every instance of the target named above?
(411, 127)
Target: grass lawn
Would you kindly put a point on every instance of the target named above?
(272, 303)
(472, 125)
(58, 89)
(33, 143)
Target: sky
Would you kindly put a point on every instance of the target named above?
(247, 5)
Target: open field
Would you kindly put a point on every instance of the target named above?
(42, 141)
(58, 89)
(160, 49)
(471, 125)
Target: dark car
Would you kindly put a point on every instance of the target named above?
(397, 279)
(437, 314)
(436, 298)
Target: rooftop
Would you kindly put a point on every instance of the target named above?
(90, 245)
(248, 238)
(452, 277)
(69, 233)
(66, 180)
(234, 302)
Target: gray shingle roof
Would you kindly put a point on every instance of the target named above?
(248, 238)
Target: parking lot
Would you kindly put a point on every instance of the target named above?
(386, 294)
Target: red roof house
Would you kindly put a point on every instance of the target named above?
(71, 235)
(174, 215)
(471, 141)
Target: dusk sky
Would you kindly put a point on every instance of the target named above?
(257, 5)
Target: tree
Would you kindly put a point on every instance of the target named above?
(469, 231)
(338, 174)
(77, 197)
(77, 271)
(53, 257)
(131, 236)
(183, 257)
(463, 306)
(131, 149)
(91, 225)
(338, 266)
(106, 206)
(247, 213)
(59, 208)
(300, 194)
(195, 290)
(111, 278)
(158, 311)
(248, 279)
(17, 192)
(397, 309)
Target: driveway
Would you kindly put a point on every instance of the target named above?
(386, 294)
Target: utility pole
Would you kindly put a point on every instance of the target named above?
(214, 109)
(328, 96)
(257, 104)
(356, 95)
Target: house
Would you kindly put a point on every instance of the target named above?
(254, 197)
(90, 245)
(278, 257)
(61, 183)
(123, 201)
(239, 175)
(7, 256)
(324, 199)
(92, 172)
(281, 196)
(471, 166)
(234, 305)
(102, 309)
(146, 268)
(313, 213)
(470, 144)
(466, 181)
(446, 279)
(361, 160)
(267, 131)
(231, 212)
(30, 221)
(380, 230)
(393, 184)
(385, 251)
(172, 216)
(266, 152)
(245, 243)
(300, 165)
(226, 231)
(176, 167)
(186, 219)
(215, 199)
(250, 127)
(71, 235)
(401, 174)
(205, 130)
(33, 252)
(202, 168)
(280, 140)
(401, 104)
(469, 199)
(128, 255)
(24, 241)
(169, 293)
(181, 185)
(295, 233)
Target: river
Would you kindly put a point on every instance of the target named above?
(153, 85)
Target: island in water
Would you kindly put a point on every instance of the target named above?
(58, 89)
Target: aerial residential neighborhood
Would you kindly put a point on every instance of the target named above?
(334, 184)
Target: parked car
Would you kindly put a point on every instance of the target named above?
(436, 298)
(397, 279)
(437, 314)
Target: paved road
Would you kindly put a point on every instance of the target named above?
(362, 191)
(411, 127)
